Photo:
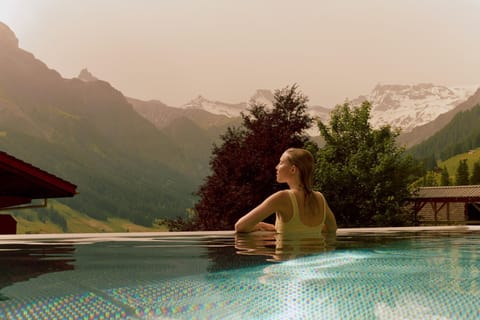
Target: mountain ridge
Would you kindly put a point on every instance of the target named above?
(88, 133)
(406, 107)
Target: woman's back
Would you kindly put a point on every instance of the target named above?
(298, 217)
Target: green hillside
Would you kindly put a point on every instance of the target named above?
(452, 163)
(88, 133)
(59, 218)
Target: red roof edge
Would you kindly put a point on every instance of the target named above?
(22, 168)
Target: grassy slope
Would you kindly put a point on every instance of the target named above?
(29, 222)
(452, 163)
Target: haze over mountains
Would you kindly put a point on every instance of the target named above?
(89, 134)
(401, 106)
(142, 160)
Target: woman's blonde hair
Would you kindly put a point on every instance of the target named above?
(304, 161)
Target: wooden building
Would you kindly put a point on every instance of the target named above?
(447, 205)
(21, 183)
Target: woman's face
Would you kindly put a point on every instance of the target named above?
(284, 169)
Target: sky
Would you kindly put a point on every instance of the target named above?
(224, 50)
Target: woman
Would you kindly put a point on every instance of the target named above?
(298, 209)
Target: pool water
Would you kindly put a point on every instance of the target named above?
(429, 273)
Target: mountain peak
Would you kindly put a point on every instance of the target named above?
(196, 103)
(409, 106)
(7, 37)
(215, 107)
(86, 76)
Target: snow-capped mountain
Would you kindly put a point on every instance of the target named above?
(216, 107)
(261, 96)
(400, 106)
(409, 106)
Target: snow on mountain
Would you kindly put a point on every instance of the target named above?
(400, 106)
(409, 106)
(216, 107)
(261, 96)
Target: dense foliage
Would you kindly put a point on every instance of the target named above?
(462, 177)
(445, 177)
(243, 165)
(363, 173)
(475, 177)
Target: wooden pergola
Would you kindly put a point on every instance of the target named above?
(443, 198)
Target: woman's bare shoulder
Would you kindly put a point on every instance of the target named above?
(280, 197)
(318, 195)
(282, 193)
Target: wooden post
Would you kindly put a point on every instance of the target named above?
(448, 212)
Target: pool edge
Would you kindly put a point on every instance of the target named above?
(340, 231)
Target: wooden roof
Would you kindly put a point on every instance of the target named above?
(21, 182)
(470, 193)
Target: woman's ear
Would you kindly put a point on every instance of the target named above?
(293, 169)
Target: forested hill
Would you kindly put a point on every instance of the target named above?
(88, 133)
(458, 136)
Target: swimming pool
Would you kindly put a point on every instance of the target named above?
(414, 273)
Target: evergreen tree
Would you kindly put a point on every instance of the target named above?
(243, 166)
(462, 177)
(363, 173)
(429, 179)
(429, 163)
(445, 178)
(475, 178)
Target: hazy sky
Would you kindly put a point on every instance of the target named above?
(174, 50)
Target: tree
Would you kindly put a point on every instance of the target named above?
(462, 177)
(445, 177)
(475, 178)
(243, 166)
(363, 173)
(429, 179)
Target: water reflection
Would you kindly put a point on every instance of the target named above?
(281, 247)
(21, 262)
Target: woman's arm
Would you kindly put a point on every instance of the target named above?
(330, 221)
(252, 221)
